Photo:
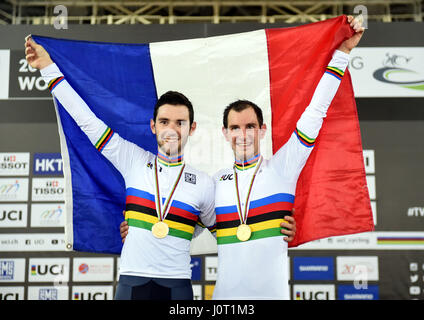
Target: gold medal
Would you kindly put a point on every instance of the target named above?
(243, 232)
(160, 229)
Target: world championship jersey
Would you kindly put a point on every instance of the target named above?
(192, 202)
(258, 268)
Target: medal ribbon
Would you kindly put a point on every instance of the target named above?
(243, 215)
(162, 213)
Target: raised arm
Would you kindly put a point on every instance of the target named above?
(311, 120)
(117, 150)
(292, 157)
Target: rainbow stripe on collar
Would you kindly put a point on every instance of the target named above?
(247, 164)
(170, 161)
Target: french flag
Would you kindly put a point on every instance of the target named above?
(278, 69)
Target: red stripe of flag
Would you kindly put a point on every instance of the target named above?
(331, 196)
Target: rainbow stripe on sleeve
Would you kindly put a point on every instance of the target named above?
(335, 72)
(304, 139)
(53, 83)
(104, 139)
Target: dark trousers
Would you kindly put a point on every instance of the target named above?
(144, 288)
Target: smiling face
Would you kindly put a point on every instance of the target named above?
(172, 129)
(244, 133)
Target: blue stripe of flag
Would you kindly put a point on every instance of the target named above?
(123, 95)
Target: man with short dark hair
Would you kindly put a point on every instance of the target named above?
(240, 105)
(253, 197)
(163, 208)
(162, 205)
(252, 260)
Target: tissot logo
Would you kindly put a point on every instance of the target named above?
(48, 189)
(51, 187)
(14, 164)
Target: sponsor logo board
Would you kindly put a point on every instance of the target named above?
(48, 189)
(12, 270)
(13, 189)
(49, 270)
(13, 215)
(93, 269)
(313, 292)
(14, 164)
(313, 268)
